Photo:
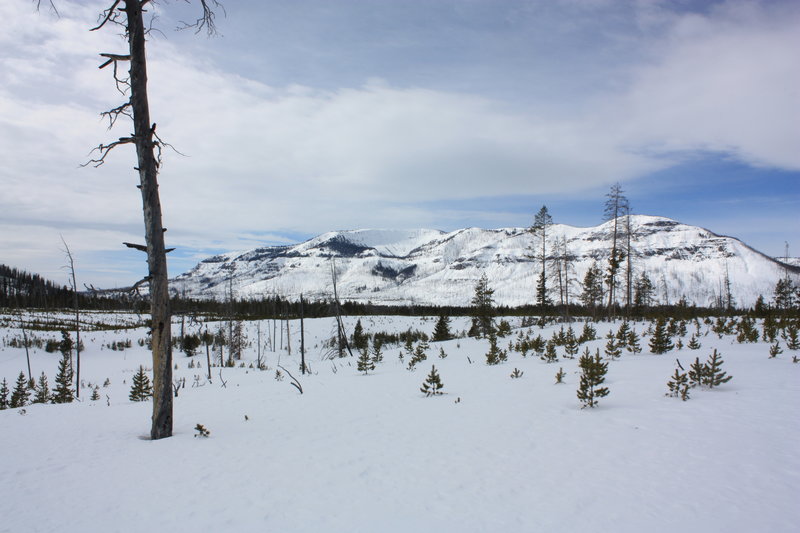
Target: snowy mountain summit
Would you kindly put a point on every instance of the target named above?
(433, 267)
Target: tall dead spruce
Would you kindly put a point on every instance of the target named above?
(128, 14)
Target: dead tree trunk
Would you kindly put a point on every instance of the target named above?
(74, 285)
(143, 139)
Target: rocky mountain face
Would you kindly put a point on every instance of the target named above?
(437, 268)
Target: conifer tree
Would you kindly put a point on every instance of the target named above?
(560, 375)
(593, 372)
(694, 344)
(633, 345)
(550, 355)
(442, 353)
(622, 334)
(660, 342)
(588, 333)
(775, 350)
(441, 331)
(714, 376)
(95, 393)
(141, 389)
(42, 394)
(495, 355)
(678, 385)
(360, 341)
(482, 307)
(365, 363)
(4, 392)
(697, 373)
(541, 224)
(612, 349)
(433, 383)
(20, 394)
(571, 344)
(791, 337)
(63, 392)
(377, 352)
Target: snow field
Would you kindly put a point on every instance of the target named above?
(372, 453)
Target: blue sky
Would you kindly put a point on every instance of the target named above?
(307, 116)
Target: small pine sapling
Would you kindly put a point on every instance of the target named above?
(21, 393)
(694, 344)
(550, 355)
(612, 349)
(660, 342)
(560, 375)
(106, 383)
(141, 389)
(792, 337)
(433, 383)
(588, 333)
(63, 392)
(571, 344)
(365, 363)
(714, 374)
(95, 393)
(442, 353)
(633, 345)
(679, 344)
(622, 335)
(4, 392)
(517, 373)
(775, 350)
(495, 355)
(377, 352)
(202, 431)
(678, 385)
(42, 394)
(697, 373)
(593, 372)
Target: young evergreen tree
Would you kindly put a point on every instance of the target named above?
(365, 363)
(791, 337)
(4, 392)
(483, 307)
(63, 393)
(42, 394)
(377, 352)
(588, 333)
(633, 345)
(21, 393)
(593, 374)
(571, 344)
(660, 342)
(678, 385)
(141, 389)
(359, 340)
(550, 355)
(433, 383)
(775, 350)
(612, 349)
(694, 344)
(622, 334)
(697, 373)
(714, 376)
(95, 393)
(592, 293)
(560, 375)
(495, 355)
(643, 290)
(442, 330)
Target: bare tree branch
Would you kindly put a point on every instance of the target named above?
(52, 7)
(206, 20)
(105, 149)
(109, 14)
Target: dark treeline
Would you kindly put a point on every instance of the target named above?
(20, 289)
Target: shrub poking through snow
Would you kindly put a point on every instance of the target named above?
(202, 431)
(141, 389)
(517, 373)
(678, 384)
(433, 383)
(593, 374)
(560, 375)
(775, 350)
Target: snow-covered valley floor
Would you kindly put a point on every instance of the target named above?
(371, 453)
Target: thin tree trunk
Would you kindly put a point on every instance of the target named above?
(143, 131)
(302, 339)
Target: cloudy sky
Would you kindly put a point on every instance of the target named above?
(305, 116)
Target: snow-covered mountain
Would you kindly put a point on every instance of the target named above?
(433, 267)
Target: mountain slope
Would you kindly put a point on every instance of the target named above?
(438, 268)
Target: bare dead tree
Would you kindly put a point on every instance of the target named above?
(73, 284)
(128, 14)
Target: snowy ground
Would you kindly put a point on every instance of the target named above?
(372, 453)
